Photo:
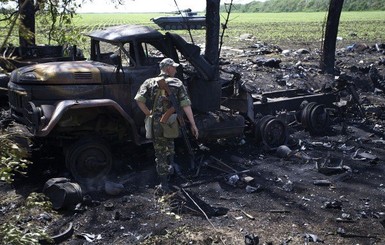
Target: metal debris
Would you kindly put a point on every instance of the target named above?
(271, 62)
(63, 193)
(61, 237)
(232, 180)
(331, 166)
(345, 218)
(108, 206)
(332, 205)
(322, 182)
(90, 237)
(248, 215)
(251, 239)
(284, 152)
(252, 189)
(288, 186)
(361, 156)
(220, 165)
(343, 233)
(311, 238)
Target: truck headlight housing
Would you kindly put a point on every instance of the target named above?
(28, 76)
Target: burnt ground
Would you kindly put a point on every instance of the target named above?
(329, 190)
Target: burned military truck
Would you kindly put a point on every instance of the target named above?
(87, 106)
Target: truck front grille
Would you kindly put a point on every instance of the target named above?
(15, 99)
(83, 75)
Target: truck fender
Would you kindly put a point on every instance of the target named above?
(65, 105)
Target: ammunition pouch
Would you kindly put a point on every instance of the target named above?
(171, 127)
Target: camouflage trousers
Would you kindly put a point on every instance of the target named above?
(164, 151)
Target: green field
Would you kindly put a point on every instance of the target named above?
(277, 28)
(285, 29)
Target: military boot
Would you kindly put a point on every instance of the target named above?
(174, 168)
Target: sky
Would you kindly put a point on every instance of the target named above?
(98, 6)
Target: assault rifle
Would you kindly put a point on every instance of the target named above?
(176, 108)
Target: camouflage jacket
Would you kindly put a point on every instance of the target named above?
(147, 94)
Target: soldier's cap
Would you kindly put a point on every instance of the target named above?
(167, 62)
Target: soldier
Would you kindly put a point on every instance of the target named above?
(149, 91)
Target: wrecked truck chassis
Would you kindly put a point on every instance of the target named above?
(272, 111)
(290, 100)
(269, 103)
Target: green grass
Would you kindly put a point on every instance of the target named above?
(113, 19)
(306, 28)
(283, 29)
(277, 28)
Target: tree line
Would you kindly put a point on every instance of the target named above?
(275, 6)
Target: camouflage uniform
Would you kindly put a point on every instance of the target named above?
(164, 147)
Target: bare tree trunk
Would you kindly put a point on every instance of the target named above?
(329, 46)
(212, 33)
(27, 27)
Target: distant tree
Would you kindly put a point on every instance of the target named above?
(306, 5)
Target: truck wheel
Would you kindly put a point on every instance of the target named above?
(88, 159)
(315, 118)
(271, 131)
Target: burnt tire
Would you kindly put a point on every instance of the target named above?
(88, 159)
(271, 132)
(315, 119)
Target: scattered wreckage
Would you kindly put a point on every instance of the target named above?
(86, 106)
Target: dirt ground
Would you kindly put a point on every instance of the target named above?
(329, 190)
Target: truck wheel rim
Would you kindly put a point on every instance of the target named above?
(274, 133)
(91, 160)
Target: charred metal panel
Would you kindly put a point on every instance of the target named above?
(285, 93)
(60, 73)
(119, 93)
(238, 102)
(216, 125)
(63, 106)
(193, 54)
